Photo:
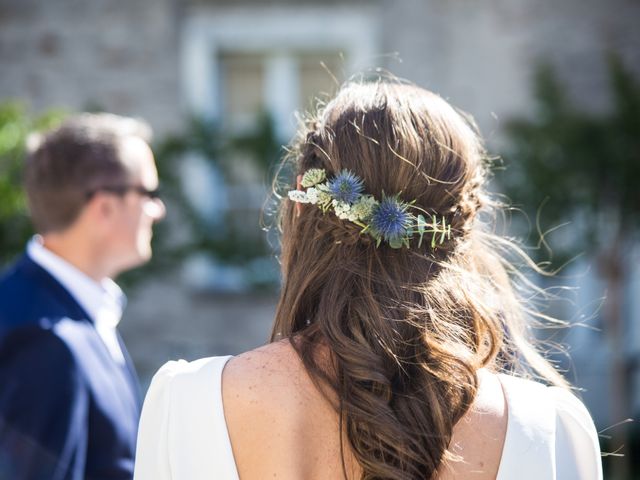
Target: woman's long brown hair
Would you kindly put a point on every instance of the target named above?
(406, 329)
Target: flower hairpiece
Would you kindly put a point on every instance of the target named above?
(389, 220)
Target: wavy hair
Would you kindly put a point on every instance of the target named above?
(406, 329)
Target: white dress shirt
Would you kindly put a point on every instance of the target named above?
(103, 301)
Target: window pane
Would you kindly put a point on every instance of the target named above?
(318, 74)
(242, 77)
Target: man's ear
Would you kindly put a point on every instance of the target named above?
(99, 209)
(298, 187)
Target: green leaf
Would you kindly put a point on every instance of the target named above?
(395, 243)
(421, 224)
(574, 157)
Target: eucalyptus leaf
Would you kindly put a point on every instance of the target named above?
(396, 243)
(421, 224)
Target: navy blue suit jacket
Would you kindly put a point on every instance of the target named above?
(68, 411)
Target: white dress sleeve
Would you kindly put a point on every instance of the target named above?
(550, 434)
(577, 446)
(182, 433)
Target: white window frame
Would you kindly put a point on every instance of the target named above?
(207, 31)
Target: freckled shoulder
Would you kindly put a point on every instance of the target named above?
(267, 397)
(264, 374)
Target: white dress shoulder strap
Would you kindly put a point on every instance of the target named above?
(550, 434)
(183, 433)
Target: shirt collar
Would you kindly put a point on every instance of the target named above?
(103, 301)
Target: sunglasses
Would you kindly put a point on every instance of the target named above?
(124, 189)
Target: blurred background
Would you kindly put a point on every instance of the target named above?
(553, 85)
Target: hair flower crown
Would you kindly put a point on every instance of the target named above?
(390, 220)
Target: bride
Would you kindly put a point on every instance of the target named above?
(399, 348)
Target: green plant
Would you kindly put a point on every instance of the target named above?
(585, 164)
(582, 168)
(16, 122)
(229, 242)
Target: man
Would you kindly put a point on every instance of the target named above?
(69, 398)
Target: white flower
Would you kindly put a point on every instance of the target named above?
(319, 195)
(312, 195)
(363, 208)
(342, 209)
(298, 196)
(353, 216)
(313, 176)
(324, 198)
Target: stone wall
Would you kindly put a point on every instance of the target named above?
(482, 55)
(119, 56)
(123, 56)
(165, 321)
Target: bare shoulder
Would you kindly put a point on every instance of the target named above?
(490, 399)
(271, 405)
(269, 384)
(479, 437)
(267, 355)
(488, 415)
(266, 373)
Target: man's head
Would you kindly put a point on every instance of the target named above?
(93, 179)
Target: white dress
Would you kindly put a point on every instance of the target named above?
(183, 434)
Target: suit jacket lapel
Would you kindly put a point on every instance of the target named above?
(127, 372)
(44, 278)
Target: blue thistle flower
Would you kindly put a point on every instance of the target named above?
(346, 187)
(391, 221)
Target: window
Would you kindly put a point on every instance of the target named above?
(232, 56)
(277, 83)
(241, 66)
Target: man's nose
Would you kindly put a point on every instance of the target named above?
(155, 208)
